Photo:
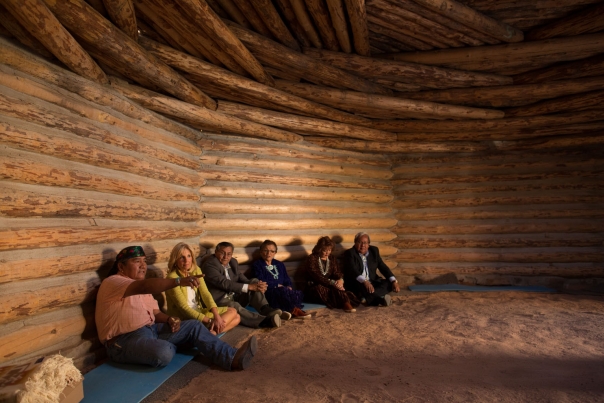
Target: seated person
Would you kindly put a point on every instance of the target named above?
(325, 283)
(231, 288)
(189, 303)
(135, 331)
(361, 263)
(279, 292)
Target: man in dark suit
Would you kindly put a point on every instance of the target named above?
(230, 287)
(361, 263)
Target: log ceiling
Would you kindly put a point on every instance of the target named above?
(379, 76)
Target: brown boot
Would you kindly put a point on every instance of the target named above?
(348, 308)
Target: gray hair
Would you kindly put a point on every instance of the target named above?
(361, 234)
(223, 245)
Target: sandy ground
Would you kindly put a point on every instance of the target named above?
(433, 347)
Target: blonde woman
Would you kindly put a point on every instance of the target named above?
(190, 303)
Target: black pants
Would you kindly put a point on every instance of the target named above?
(381, 288)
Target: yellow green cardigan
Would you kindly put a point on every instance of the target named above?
(177, 300)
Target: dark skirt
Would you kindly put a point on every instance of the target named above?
(331, 297)
(283, 298)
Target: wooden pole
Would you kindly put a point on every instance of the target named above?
(277, 55)
(338, 19)
(250, 14)
(301, 124)
(205, 17)
(199, 115)
(236, 15)
(473, 19)
(399, 147)
(91, 27)
(428, 76)
(299, 10)
(320, 16)
(384, 28)
(292, 21)
(211, 74)
(337, 97)
(587, 20)
(267, 11)
(42, 24)
(16, 30)
(357, 14)
(589, 67)
(122, 14)
(582, 101)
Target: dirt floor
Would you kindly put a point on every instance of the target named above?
(426, 347)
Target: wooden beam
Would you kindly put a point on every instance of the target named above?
(301, 124)
(392, 31)
(41, 23)
(332, 96)
(320, 15)
(587, 20)
(233, 11)
(292, 21)
(473, 19)
(198, 115)
(589, 67)
(357, 14)
(526, 55)
(427, 76)
(205, 17)
(510, 95)
(91, 27)
(249, 11)
(207, 72)
(122, 14)
(276, 224)
(595, 139)
(582, 101)
(15, 29)
(387, 44)
(338, 19)
(267, 11)
(399, 147)
(301, 13)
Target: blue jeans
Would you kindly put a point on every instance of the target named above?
(155, 345)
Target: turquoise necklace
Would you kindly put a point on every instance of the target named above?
(272, 269)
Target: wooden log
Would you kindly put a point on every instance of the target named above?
(588, 140)
(24, 167)
(395, 85)
(525, 255)
(357, 15)
(338, 19)
(447, 22)
(273, 53)
(578, 102)
(274, 164)
(301, 13)
(122, 14)
(320, 15)
(209, 73)
(268, 13)
(574, 210)
(572, 270)
(218, 8)
(282, 239)
(510, 95)
(146, 30)
(205, 17)
(336, 97)
(26, 201)
(254, 19)
(80, 18)
(34, 138)
(408, 28)
(496, 58)
(293, 23)
(74, 259)
(41, 23)
(195, 114)
(14, 28)
(216, 143)
(227, 207)
(465, 227)
(398, 147)
(587, 20)
(224, 189)
(41, 90)
(367, 223)
(387, 44)
(428, 76)
(591, 66)
(454, 37)
(165, 131)
(236, 15)
(143, 13)
(301, 124)
(473, 19)
(310, 180)
(396, 32)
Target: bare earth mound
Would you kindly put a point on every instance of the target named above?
(444, 347)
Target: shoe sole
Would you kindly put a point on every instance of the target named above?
(387, 300)
(350, 310)
(276, 320)
(286, 315)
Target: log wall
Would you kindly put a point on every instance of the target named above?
(80, 181)
(525, 217)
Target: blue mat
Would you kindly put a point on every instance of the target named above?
(459, 287)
